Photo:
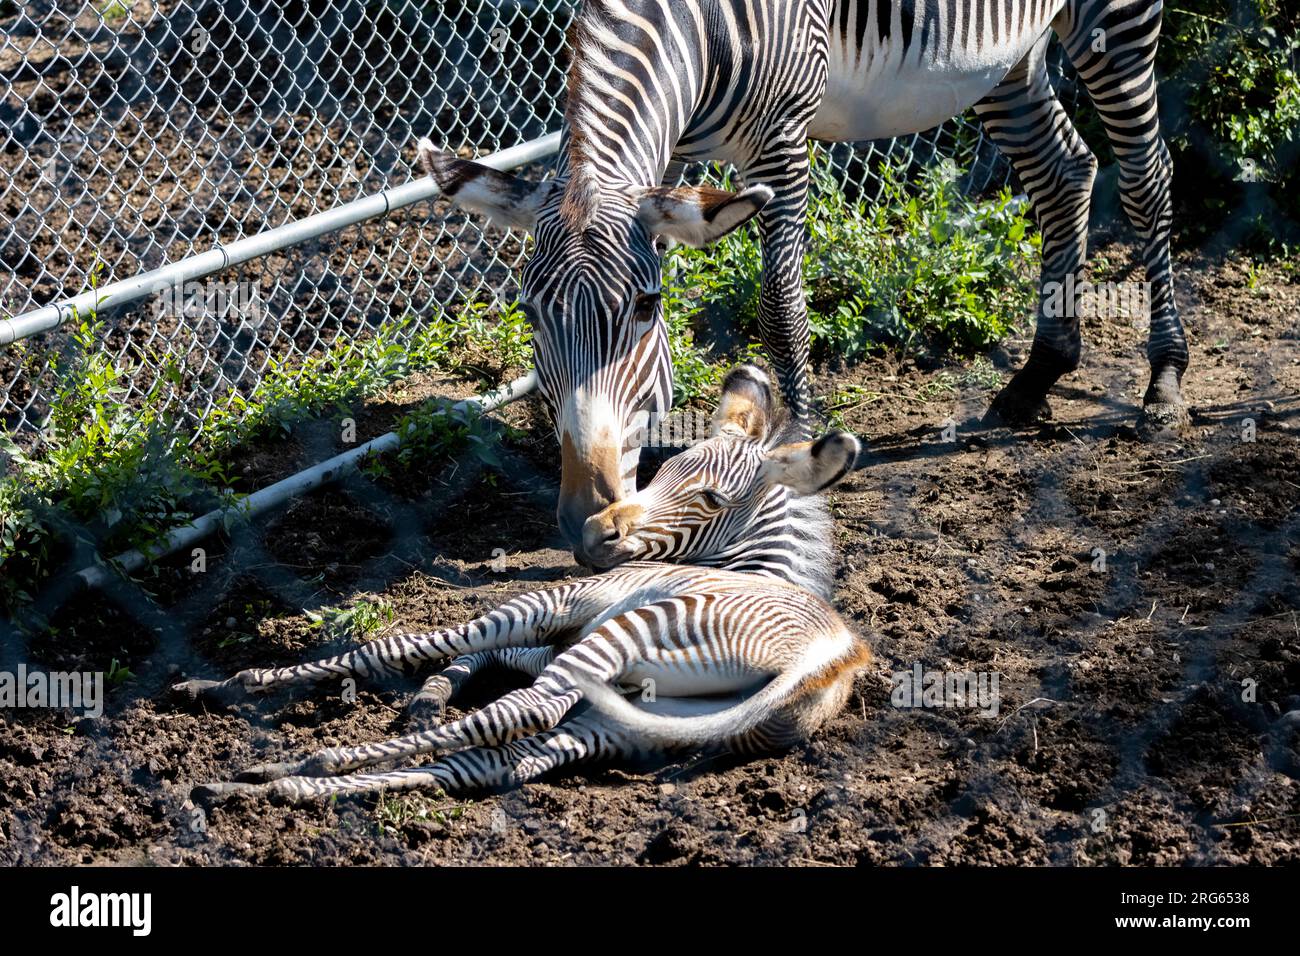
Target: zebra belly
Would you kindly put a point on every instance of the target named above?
(890, 90)
(684, 674)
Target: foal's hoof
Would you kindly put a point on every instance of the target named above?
(266, 772)
(1162, 421)
(196, 689)
(215, 792)
(1012, 408)
(209, 691)
(427, 708)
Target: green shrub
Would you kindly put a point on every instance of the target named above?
(111, 473)
(1230, 97)
(104, 473)
(925, 266)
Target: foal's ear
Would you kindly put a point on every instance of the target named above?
(745, 410)
(809, 467)
(508, 201)
(698, 215)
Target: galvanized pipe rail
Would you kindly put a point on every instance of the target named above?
(223, 257)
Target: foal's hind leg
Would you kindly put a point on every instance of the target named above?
(1027, 122)
(599, 657)
(479, 768)
(1119, 74)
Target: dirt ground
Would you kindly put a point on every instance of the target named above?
(1149, 702)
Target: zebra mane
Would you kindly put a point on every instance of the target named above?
(585, 51)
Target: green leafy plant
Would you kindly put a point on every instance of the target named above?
(923, 266)
(362, 620)
(103, 473)
(111, 471)
(1230, 92)
(118, 673)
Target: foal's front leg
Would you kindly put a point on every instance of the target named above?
(526, 621)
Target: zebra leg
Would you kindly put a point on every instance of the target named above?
(1026, 121)
(478, 768)
(782, 311)
(597, 658)
(528, 620)
(1113, 47)
(441, 687)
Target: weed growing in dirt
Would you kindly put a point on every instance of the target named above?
(104, 476)
(351, 370)
(361, 621)
(398, 812)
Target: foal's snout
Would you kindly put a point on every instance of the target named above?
(604, 535)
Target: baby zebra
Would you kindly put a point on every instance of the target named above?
(738, 647)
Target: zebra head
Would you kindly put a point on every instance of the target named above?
(591, 290)
(728, 501)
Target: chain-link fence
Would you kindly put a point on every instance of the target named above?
(135, 133)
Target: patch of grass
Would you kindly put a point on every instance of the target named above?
(350, 370)
(104, 476)
(397, 812)
(110, 472)
(114, 10)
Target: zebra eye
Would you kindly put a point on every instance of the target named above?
(643, 309)
(714, 499)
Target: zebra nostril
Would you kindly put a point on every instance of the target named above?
(612, 535)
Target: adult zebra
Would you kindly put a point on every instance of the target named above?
(749, 82)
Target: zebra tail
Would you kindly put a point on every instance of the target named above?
(662, 732)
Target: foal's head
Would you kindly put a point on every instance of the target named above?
(731, 495)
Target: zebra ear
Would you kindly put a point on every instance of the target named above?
(809, 467)
(698, 215)
(745, 409)
(508, 201)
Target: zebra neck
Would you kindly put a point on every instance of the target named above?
(633, 83)
(788, 538)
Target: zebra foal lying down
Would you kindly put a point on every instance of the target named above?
(736, 638)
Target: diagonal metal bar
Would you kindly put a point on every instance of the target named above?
(243, 250)
(272, 496)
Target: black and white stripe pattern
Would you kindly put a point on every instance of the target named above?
(745, 659)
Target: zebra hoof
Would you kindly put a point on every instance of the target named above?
(207, 690)
(215, 792)
(1162, 421)
(1011, 408)
(266, 772)
(425, 709)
